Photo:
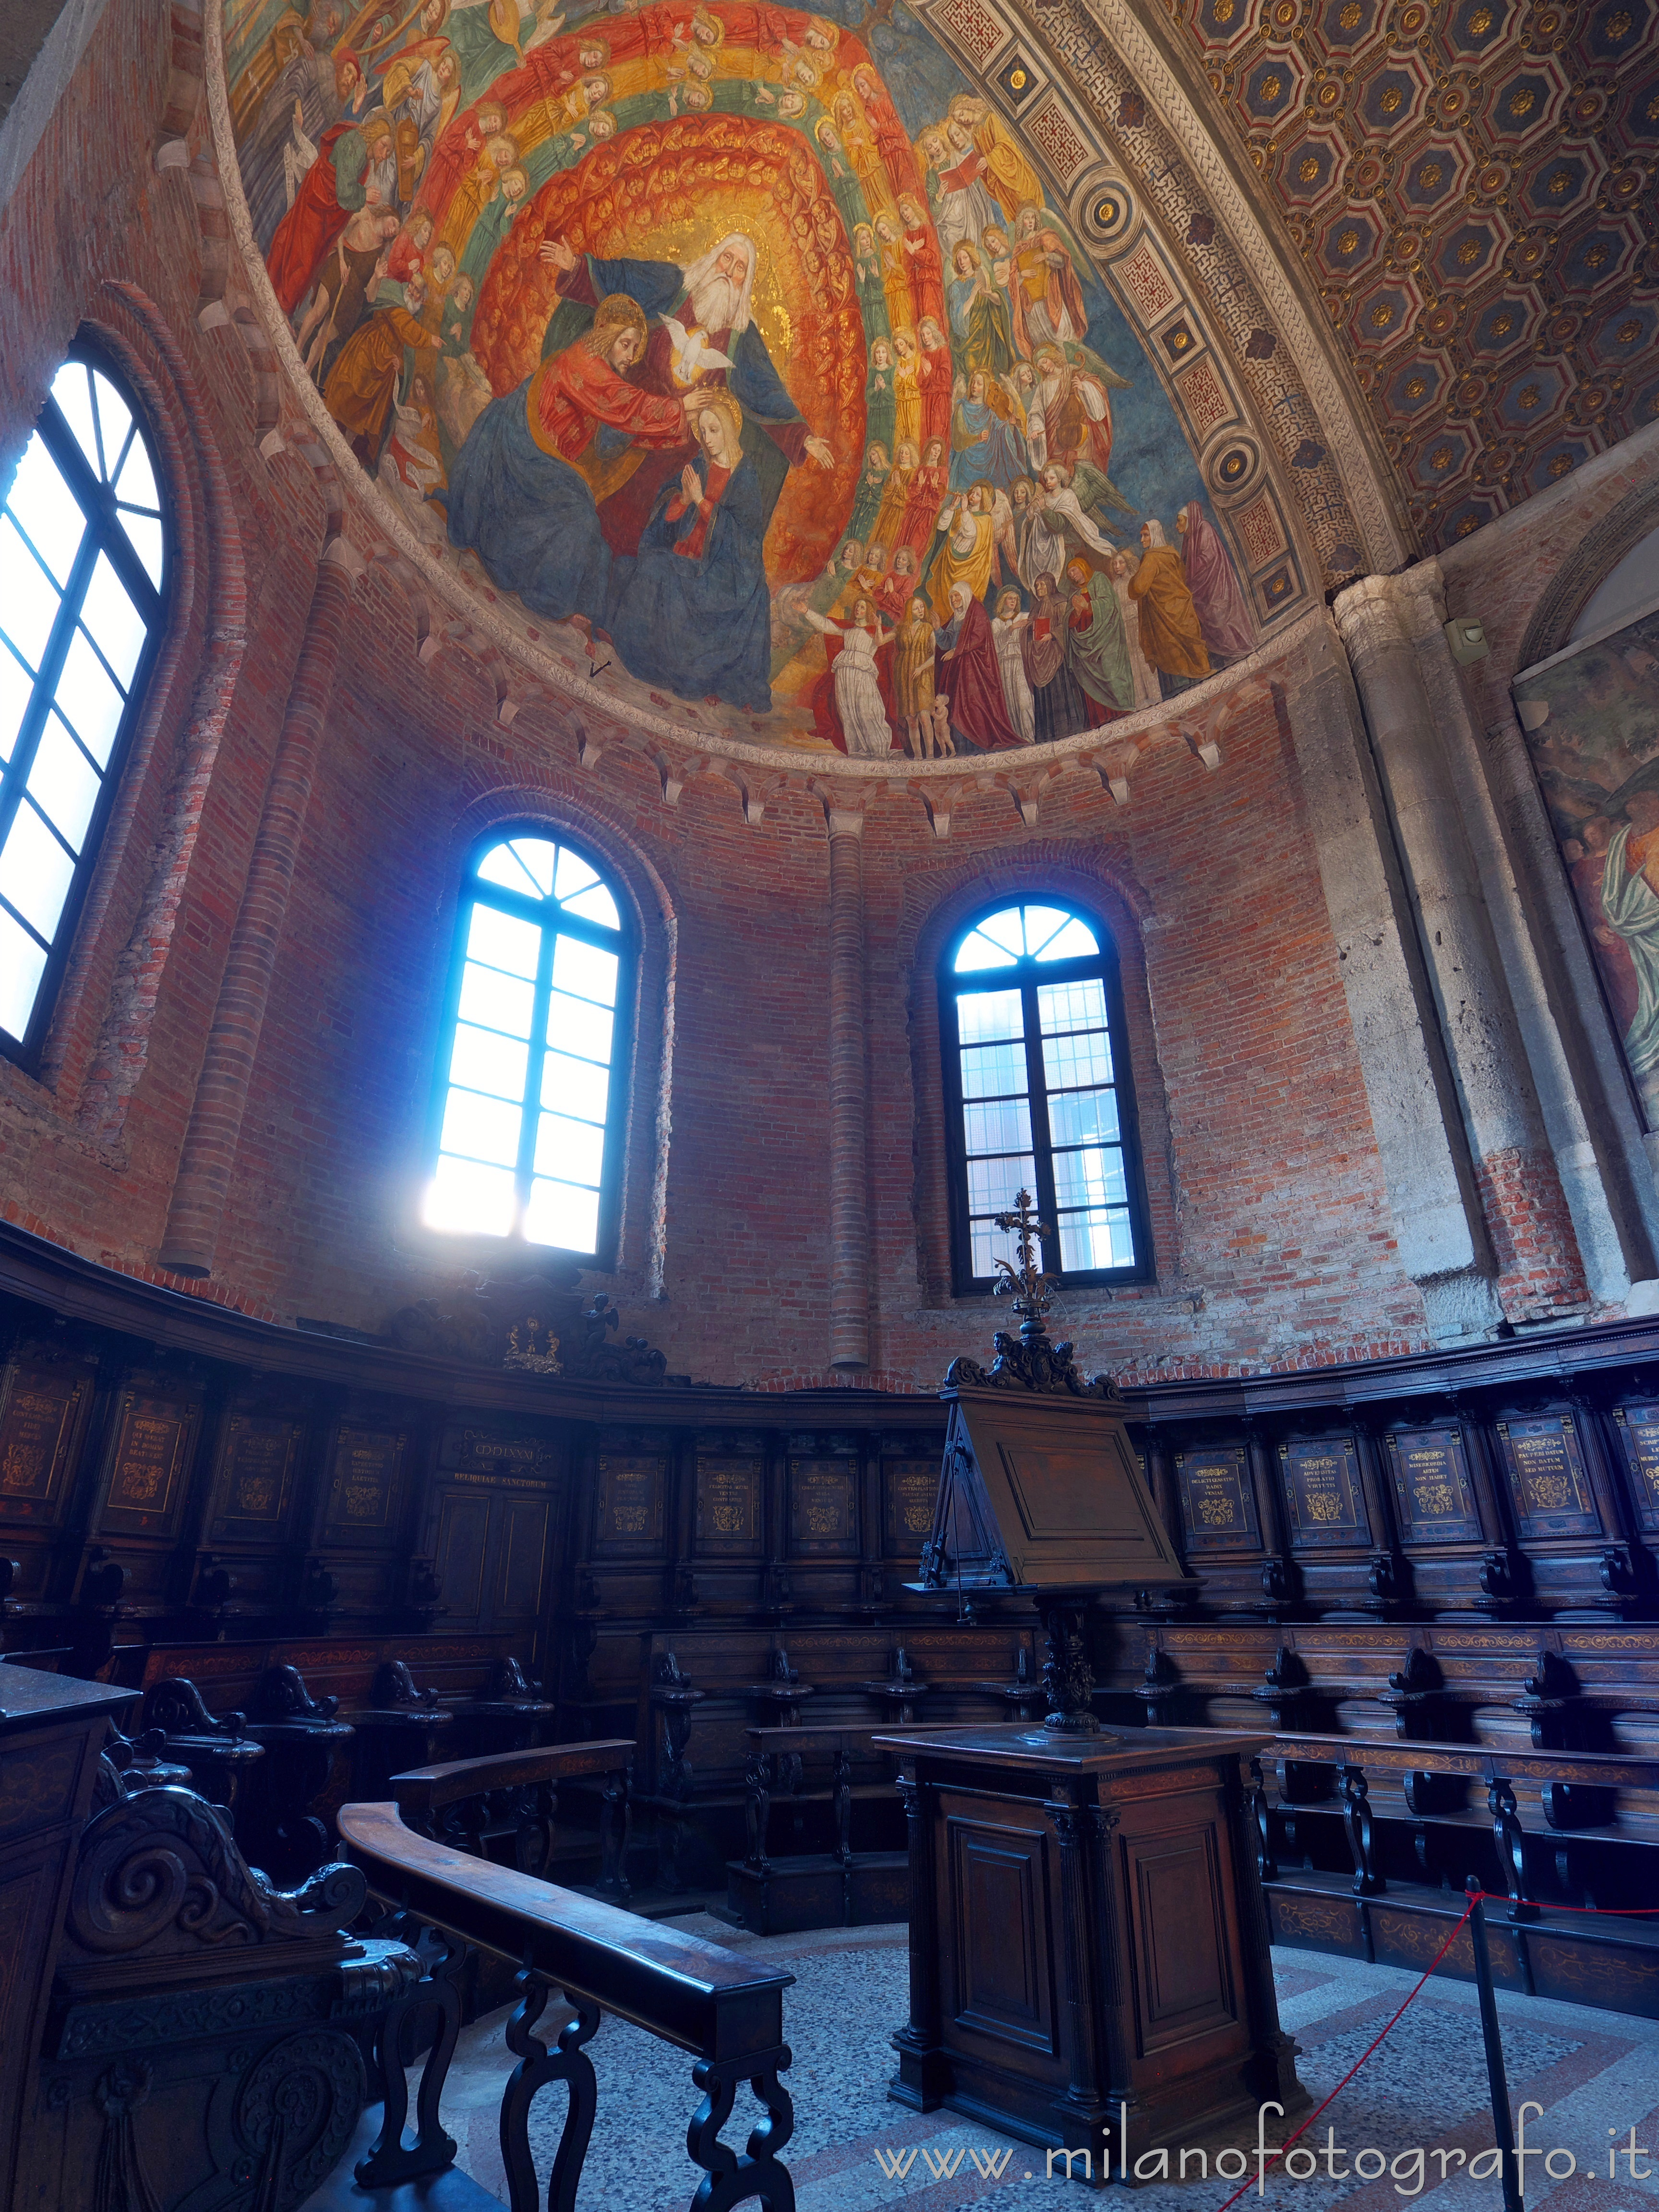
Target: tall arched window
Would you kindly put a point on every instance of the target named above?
(1037, 1095)
(530, 1111)
(83, 572)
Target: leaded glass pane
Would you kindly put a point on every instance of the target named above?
(584, 971)
(573, 1150)
(476, 1199)
(990, 1245)
(1071, 1063)
(994, 1185)
(113, 624)
(22, 963)
(482, 1060)
(562, 1214)
(35, 872)
(983, 1015)
(1074, 942)
(1063, 1006)
(503, 941)
(46, 510)
(1091, 1177)
(1003, 1127)
(62, 783)
(993, 1070)
(575, 1025)
(30, 604)
(1099, 1238)
(89, 700)
(576, 1086)
(482, 1128)
(17, 689)
(496, 1002)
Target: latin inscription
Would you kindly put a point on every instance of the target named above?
(629, 1508)
(490, 1450)
(1321, 1492)
(824, 1507)
(147, 1464)
(257, 1483)
(1638, 1429)
(366, 1465)
(728, 1504)
(1547, 1482)
(36, 1432)
(1217, 1505)
(909, 1488)
(1432, 1486)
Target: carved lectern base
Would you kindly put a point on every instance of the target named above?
(1088, 1960)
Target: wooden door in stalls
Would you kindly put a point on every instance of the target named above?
(490, 1524)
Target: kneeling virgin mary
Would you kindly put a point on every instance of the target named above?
(521, 492)
(692, 611)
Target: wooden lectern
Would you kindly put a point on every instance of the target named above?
(1089, 1952)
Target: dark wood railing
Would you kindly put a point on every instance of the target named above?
(514, 1795)
(726, 2010)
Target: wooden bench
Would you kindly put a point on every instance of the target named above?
(724, 2010)
(1362, 1840)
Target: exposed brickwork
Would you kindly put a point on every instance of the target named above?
(1269, 1218)
(1540, 1274)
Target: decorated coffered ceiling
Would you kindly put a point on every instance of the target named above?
(1469, 185)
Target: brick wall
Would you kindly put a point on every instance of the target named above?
(1269, 1218)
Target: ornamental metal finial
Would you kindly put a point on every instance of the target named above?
(1031, 1291)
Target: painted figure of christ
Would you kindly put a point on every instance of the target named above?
(701, 333)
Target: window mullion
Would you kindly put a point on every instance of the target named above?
(96, 501)
(536, 1061)
(1042, 1144)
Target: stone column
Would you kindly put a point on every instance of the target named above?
(1384, 621)
(1409, 1087)
(209, 1157)
(849, 1098)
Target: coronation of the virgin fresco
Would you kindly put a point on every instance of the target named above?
(744, 343)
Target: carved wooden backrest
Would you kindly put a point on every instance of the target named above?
(162, 1893)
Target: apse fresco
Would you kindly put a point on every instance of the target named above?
(746, 343)
(1592, 723)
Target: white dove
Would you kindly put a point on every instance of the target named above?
(692, 356)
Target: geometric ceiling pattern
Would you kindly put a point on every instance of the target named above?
(1471, 185)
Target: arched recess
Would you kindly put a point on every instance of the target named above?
(937, 901)
(560, 805)
(1594, 556)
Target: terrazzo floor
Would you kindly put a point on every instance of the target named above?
(1595, 2074)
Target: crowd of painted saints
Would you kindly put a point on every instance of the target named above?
(991, 585)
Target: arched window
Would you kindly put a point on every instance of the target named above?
(529, 1112)
(1037, 1095)
(83, 572)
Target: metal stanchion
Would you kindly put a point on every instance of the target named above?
(1502, 2126)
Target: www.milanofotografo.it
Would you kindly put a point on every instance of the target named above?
(1411, 2169)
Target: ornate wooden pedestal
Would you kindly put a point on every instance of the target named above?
(1088, 1962)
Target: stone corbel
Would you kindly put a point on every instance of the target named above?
(940, 801)
(675, 770)
(1113, 768)
(755, 791)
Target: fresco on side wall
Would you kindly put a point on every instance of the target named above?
(745, 341)
(1592, 723)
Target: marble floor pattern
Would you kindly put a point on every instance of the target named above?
(1595, 2074)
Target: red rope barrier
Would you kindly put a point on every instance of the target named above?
(1244, 2188)
(1599, 1912)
